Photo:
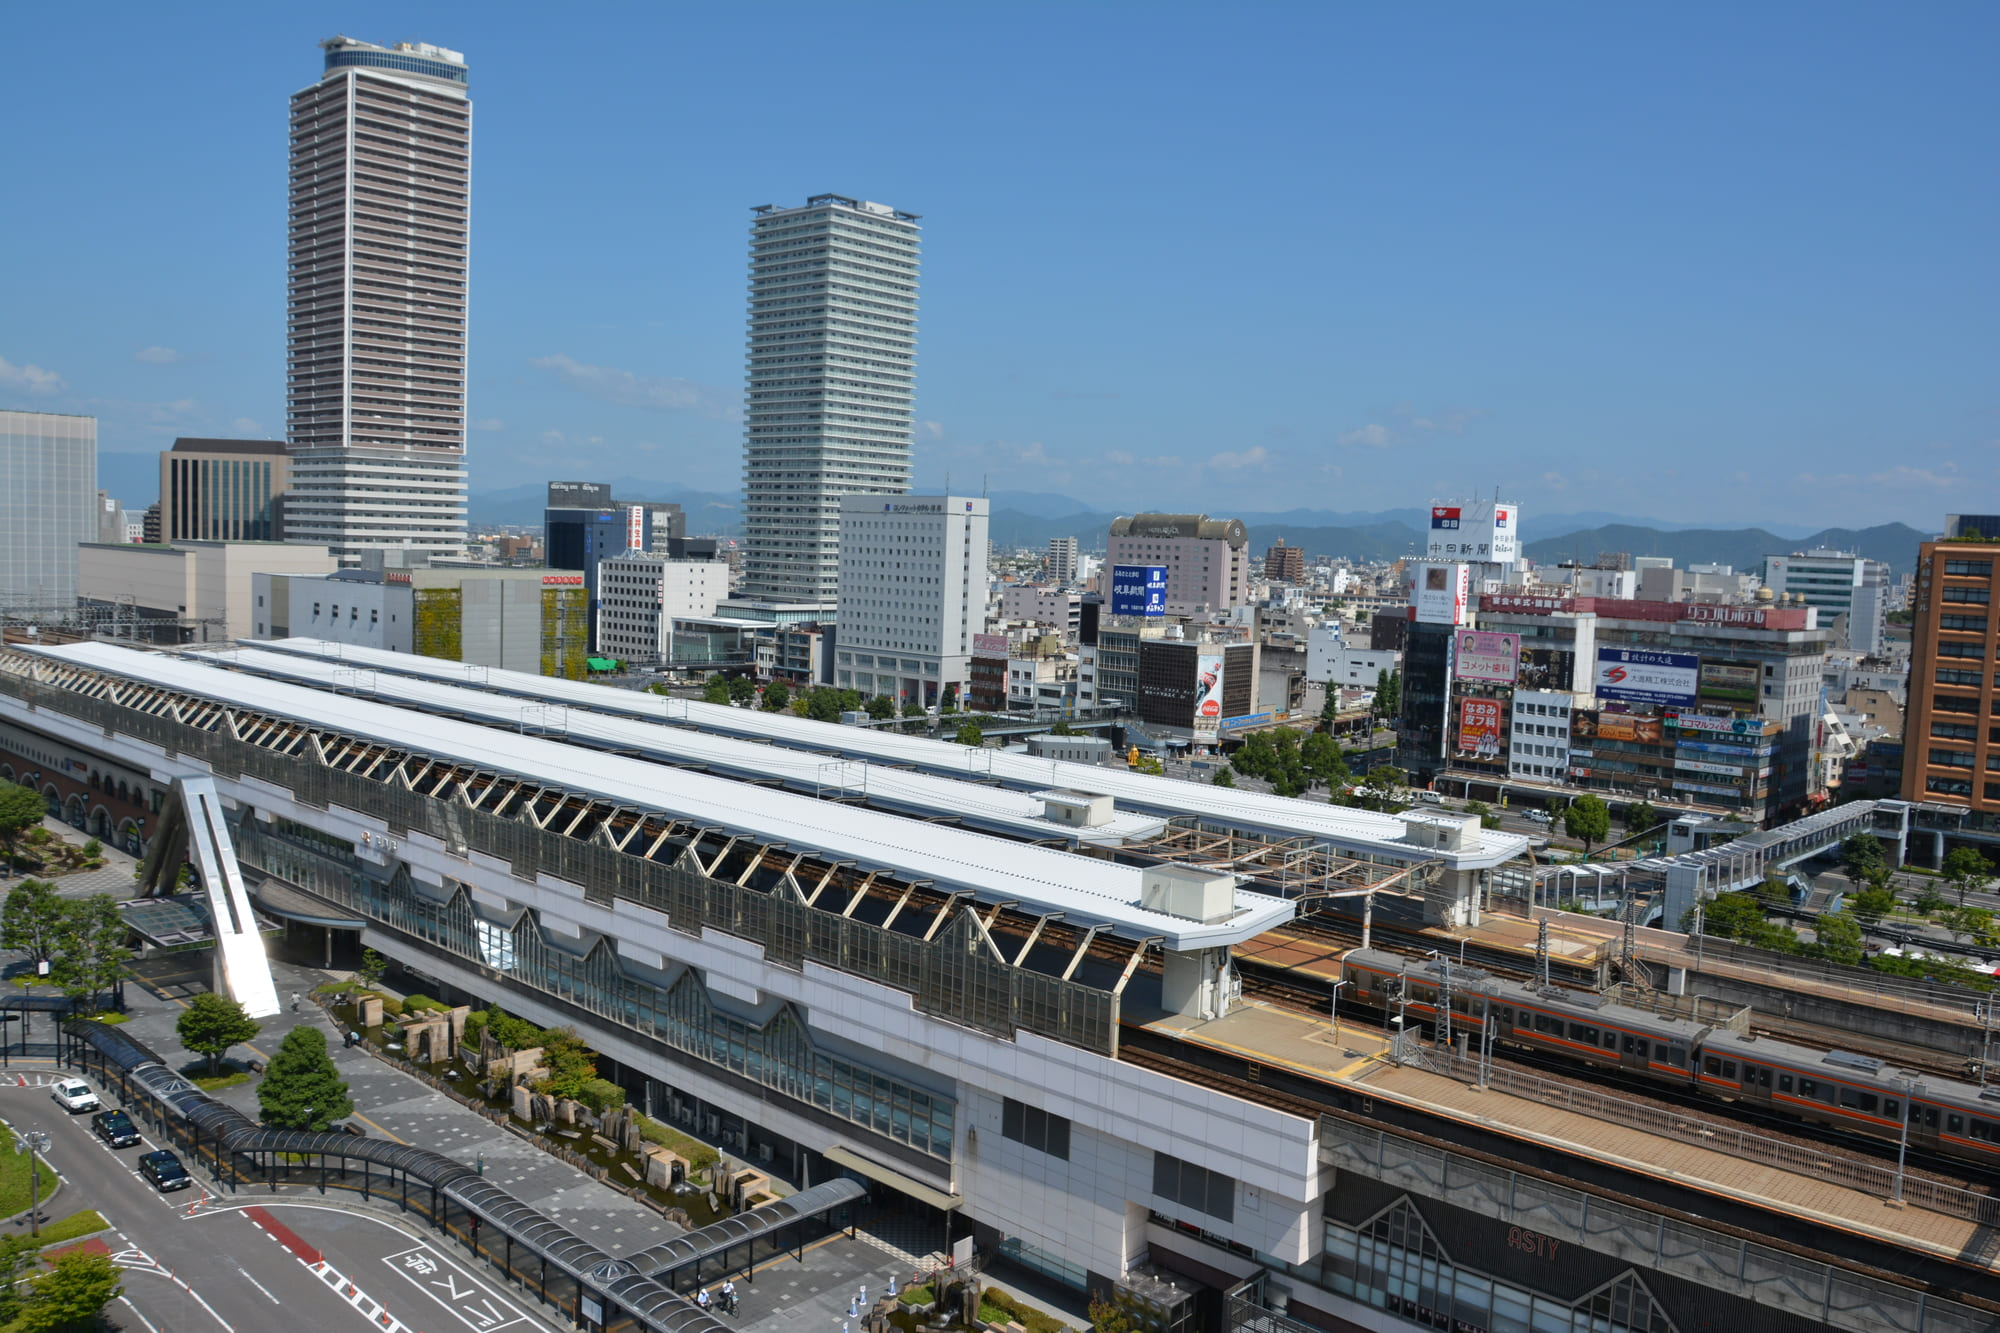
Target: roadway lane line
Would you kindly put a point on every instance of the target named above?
(127, 1301)
(258, 1285)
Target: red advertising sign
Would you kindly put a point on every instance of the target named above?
(1479, 726)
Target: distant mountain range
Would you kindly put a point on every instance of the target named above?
(1031, 518)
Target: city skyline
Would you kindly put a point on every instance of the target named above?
(1748, 286)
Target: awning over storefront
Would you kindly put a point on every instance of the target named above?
(895, 1179)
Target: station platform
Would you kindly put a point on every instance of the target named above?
(1266, 1036)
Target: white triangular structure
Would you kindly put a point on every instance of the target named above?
(194, 822)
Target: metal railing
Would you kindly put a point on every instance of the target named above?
(1734, 1140)
(1769, 1276)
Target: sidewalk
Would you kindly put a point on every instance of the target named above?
(114, 878)
(392, 1105)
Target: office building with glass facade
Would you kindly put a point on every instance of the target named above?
(380, 204)
(833, 331)
(223, 491)
(48, 504)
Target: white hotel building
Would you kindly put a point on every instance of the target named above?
(912, 594)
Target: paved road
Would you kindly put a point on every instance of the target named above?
(200, 1260)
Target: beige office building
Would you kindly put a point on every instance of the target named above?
(188, 592)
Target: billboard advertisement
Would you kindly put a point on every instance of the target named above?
(989, 645)
(1625, 727)
(1729, 682)
(1641, 675)
(1138, 590)
(1482, 655)
(1488, 531)
(1547, 669)
(1479, 727)
(635, 527)
(1440, 593)
(1207, 694)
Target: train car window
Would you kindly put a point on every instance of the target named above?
(1893, 1109)
(1611, 1041)
(1982, 1130)
(1711, 1065)
(1929, 1114)
(1784, 1083)
(1729, 1069)
(1678, 1056)
(1954, 1124)
(1868, 1102)
(1808, 1088)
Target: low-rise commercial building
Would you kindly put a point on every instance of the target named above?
(368, 608)
(188, 592)
(639, 596)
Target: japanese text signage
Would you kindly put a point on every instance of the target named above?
(1479, 727)
(1480, 655)
(1641, 675)
(1488, 531)
(1138, 590)
(1440, 593)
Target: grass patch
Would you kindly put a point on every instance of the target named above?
(917, 1295)
(111, 1019)
(215, 1082)
(15, 1182)
(73, 1226)
(997, 1307)
(698, 1155)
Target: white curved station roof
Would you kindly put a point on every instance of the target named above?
(919, 794)
(1088, 891)
(1343, 827)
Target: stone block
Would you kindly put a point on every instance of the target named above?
(371, 1012)
(457, 1019)
(524, 1102)
(566, 1112)
(665, 1168)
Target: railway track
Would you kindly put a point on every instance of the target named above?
(1308, 998)
(1340, 928)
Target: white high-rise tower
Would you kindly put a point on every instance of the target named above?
(833, 339)
(381, 183)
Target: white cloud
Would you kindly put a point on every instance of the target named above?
(657, 393)
(246, 427)
(931, 429)
(490, 423)
(1231, 461)
(158, 356)
(173, 414)
(1410, 428)
(1371, 436)
(30, 377)
(1120, 457)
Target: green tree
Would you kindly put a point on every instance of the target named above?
(1223, 778)
(1928, 900)
(91, 952)
(881, 708)
(301, 1089)
(1872, 904)
(1487, 819)
(72, 1294)
(1740, 916)
(1323, 759)
(1107, 1317)
(570, 1063)
(1149, 764)
(31, 921)
(949, 703)
(742, 689)
(1967, 871)
(913, 709)
(1385, 788)
(1860, 853)
(17, 1252)
(1967, 923)
(1388, 693)
(1838, 938)
(211, 1024)
(716, 691)
(1062, 728)
(968, 733)
(21, 808)
(1588, 820)
(1641, 816)
(777, 697)
(1329, 711)
(374, 966)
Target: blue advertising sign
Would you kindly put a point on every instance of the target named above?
(1138, 590)
(1644, 676)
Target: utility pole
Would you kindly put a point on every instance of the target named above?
(1542, 951)
(33, 1142)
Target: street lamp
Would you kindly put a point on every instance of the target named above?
(1911, 1088)
(1334, 1009)
(33, 1142)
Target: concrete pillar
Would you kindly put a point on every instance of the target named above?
(1937, 849)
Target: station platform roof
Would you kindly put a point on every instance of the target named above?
(923, 795)
(1345, 828)
(1086, 889)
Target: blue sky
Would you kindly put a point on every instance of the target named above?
(1729, 263)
